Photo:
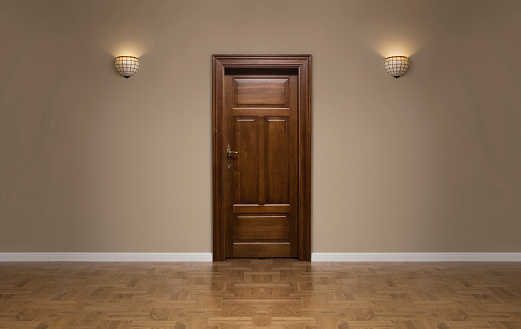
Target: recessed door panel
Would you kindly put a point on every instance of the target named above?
(261, 228)
(261, 91)
(277, 160)
(247, 160)
(262, 249)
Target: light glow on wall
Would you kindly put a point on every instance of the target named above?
(390, 48)
(388, 44)
(127, 48)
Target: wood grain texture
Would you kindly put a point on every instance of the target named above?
(277, 165)
(261, 91)
(247, 161)
(275, 293)
(271, 227)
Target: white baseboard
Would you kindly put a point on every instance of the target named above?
(418, 257)
(207, 257)
(104, 257)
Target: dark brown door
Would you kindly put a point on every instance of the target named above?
(259, 109)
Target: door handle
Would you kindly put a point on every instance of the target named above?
(229, 153)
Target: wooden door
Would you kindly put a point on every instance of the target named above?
(261, 157)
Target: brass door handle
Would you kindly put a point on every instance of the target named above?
(229, 152)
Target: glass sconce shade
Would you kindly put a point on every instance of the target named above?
(396, 65)
(127, 66)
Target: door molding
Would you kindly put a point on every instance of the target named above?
(303, 64)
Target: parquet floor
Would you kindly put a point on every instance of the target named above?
(260, 294)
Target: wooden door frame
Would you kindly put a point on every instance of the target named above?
(302, 63)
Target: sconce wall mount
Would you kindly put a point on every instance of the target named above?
(396, 65)
(127, 66)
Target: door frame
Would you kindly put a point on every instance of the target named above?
(303, 65)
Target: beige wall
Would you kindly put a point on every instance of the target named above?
(430, 162)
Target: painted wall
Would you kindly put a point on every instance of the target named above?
(92, 162)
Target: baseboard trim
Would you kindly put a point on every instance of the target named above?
(103, 257)
(418, 257)
(207, 257)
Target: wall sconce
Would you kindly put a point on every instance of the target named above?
(396, 65)
(127, 66)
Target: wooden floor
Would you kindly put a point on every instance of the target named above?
(260, 293)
